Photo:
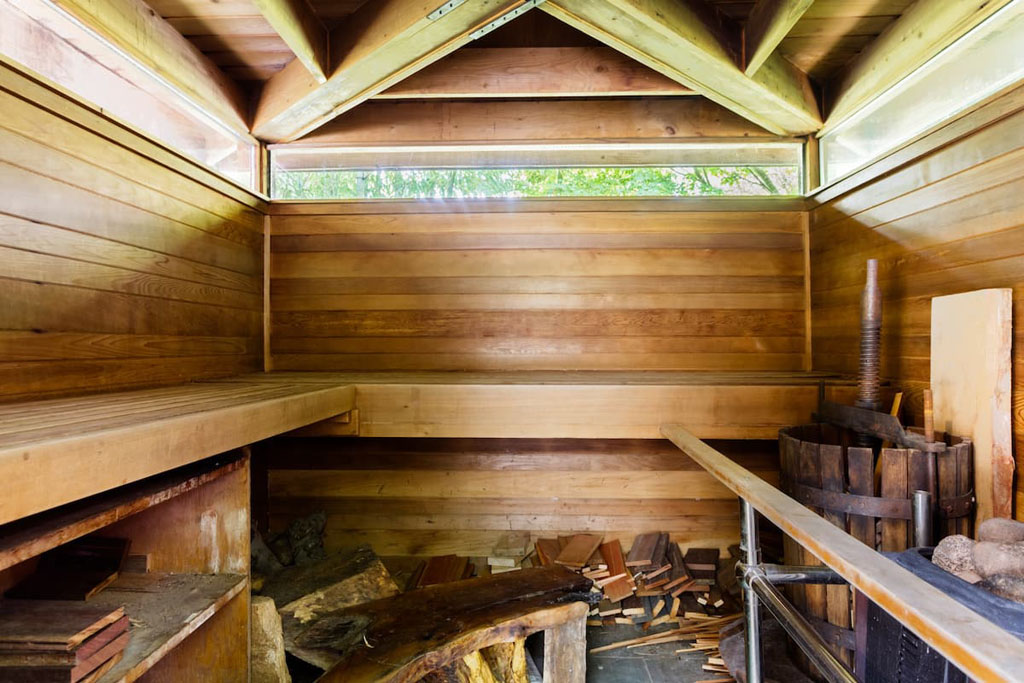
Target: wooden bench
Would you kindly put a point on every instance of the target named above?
(590, 405)
(56, 451)
(406, 637)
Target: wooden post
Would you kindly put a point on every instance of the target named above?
(565, 652)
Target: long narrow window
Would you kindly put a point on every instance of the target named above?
(657, 170)
(984, 62)
(35, 34)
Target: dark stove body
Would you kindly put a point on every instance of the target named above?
(893, 654)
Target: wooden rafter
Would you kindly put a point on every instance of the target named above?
(924, 30)
(379, 45)
(695, 45)
(769, 22)
(524, 121)
(529, 72)
(301, 29)
(150, 41)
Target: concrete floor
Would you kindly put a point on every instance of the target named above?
(650, 664)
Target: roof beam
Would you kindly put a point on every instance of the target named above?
(377, 46)
(301, 30)
(695, 45)
(531, 72)
(679, 119)
(924, 30)
(770, 21)
(140, 33)
(534, 133)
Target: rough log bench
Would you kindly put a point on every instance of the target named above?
(422, 632)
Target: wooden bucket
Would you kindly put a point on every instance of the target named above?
(871, 500)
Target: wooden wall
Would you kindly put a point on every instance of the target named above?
(439, 496)
(121, 263)
(945, 215)
(538, 284)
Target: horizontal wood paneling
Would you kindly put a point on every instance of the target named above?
(121, 263)
(951, 220)
(435, 496)
(595, 284)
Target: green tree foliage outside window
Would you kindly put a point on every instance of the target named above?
(642, 181)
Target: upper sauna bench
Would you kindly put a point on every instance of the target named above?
(561, 404)
(57, 451)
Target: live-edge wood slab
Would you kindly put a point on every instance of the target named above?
(407, 636)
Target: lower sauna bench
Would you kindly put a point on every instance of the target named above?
(169, 470)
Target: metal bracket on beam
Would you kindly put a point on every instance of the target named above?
(504, 18)
(444, 9)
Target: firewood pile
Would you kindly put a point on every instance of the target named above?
(674, 594)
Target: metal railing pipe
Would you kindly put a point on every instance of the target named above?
(751, 608)
(798, 628)
(970, 641)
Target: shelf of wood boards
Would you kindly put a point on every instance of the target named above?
(57, 451)
(32, 536)
(164, 610)
(595, 405)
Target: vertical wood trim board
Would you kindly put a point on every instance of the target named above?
(119, 265)
(538, 285)
(946, 222)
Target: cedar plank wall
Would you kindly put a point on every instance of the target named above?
(950, 220)
(441, 496)
(121, 263)
(537, 285)
(530, 285)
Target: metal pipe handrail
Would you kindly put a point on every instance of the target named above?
(799, 629)
(980, 648)
(781, 574)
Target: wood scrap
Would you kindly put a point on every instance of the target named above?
(513, 544)
(43, 625)
(77, 570)
(578, 551)
(704, 559)
(547, 550)
(660, 550)
(304, 594)
(633, 607)
(643, 550)
(443, 569)
(620, 588)
(502, 562)
(596, 560)
(503, 570)
(69, 659)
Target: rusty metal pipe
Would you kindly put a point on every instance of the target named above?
(868, 384)
(868, 381)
